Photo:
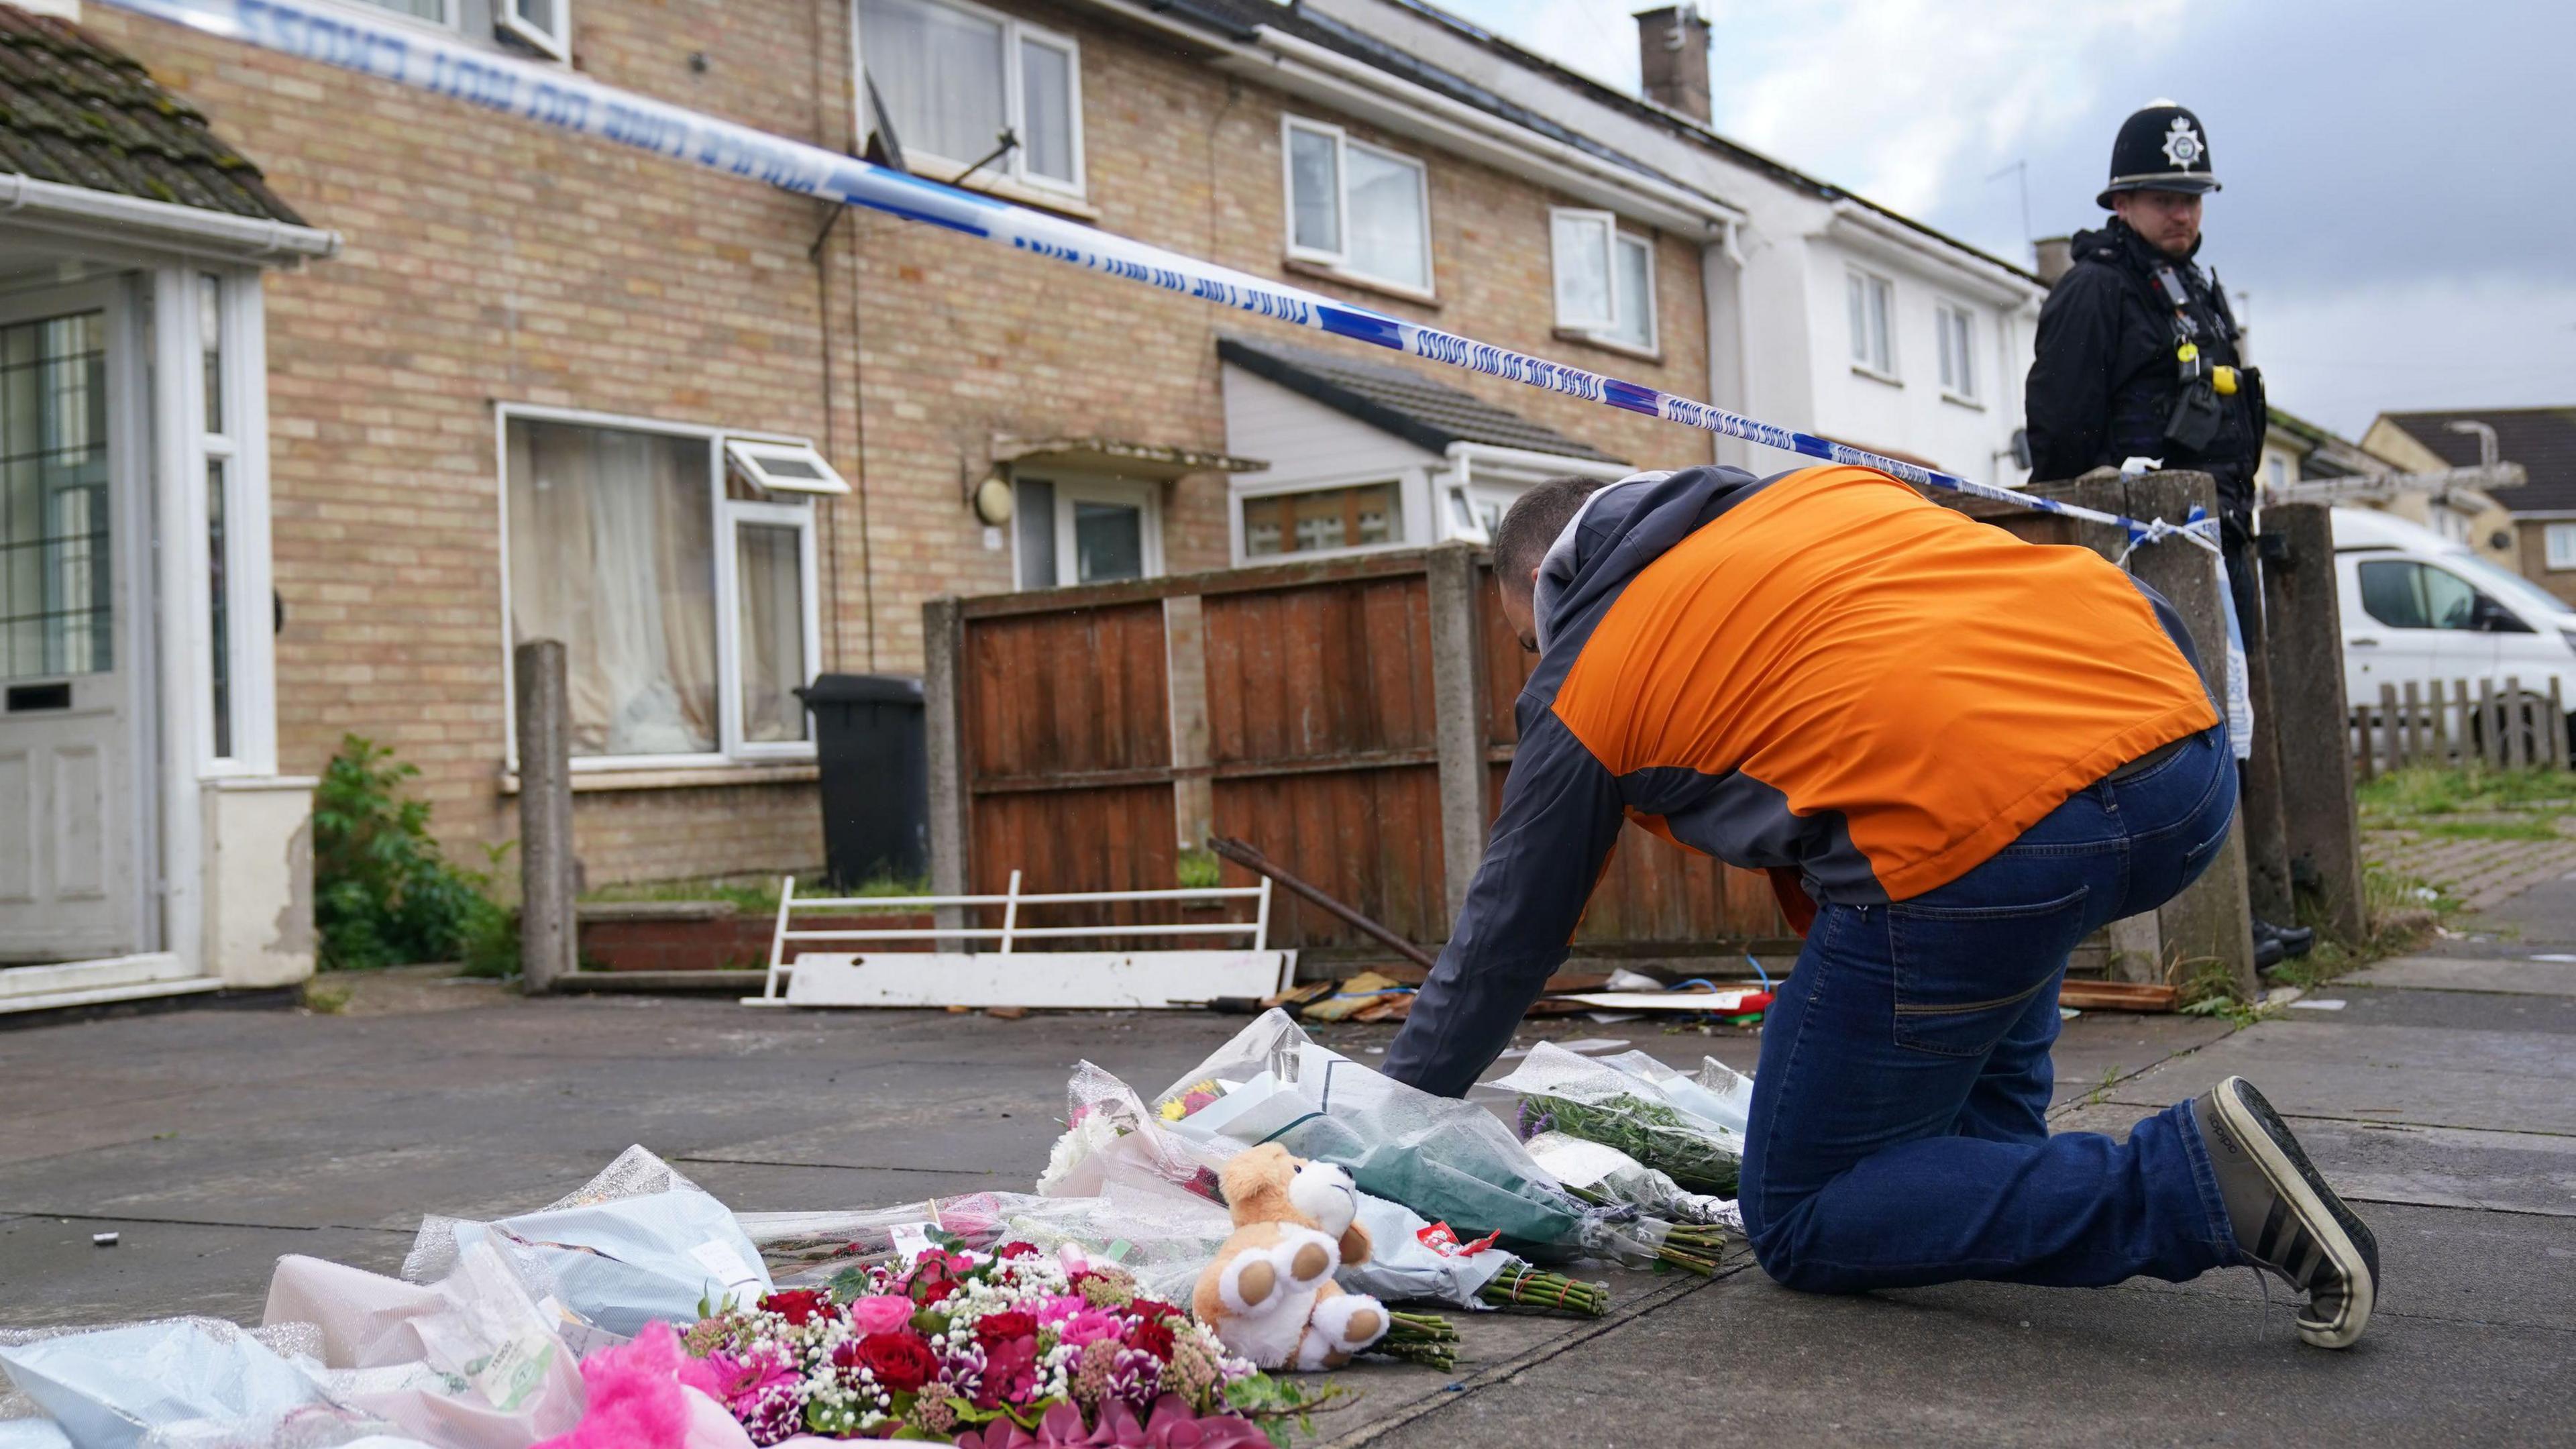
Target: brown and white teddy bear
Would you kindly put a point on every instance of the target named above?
(1270, 1294)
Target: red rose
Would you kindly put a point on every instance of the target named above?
(901, 1362)
(996, 1328)
(799, 1306)
(1153, 1336)
(1016, 1250)
(1152, 1310)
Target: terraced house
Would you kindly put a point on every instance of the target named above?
(323, 392)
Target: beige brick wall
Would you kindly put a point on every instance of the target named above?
(492, 261)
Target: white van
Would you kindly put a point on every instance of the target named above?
(2419, 608)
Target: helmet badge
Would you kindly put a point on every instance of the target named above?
(2183, 145)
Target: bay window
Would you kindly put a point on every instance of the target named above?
(681, 581)
(954, 77)
(1357, 208)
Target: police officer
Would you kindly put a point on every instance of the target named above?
(2137, 356)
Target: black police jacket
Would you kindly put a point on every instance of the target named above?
(2105, 379)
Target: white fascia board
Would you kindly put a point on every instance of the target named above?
(78, 211)
(1301, 67)
(1855, 225)
(1525, 460)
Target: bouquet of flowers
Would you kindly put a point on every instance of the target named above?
(1444, 1159)
(956, 1342)
(1596, 1101)
(1602, 1173)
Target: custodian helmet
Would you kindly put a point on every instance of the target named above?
(2161, 148)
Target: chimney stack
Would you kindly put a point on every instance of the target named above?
(1672, 54)
(2056, 258)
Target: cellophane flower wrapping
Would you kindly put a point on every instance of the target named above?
(954, 1340)
(1716, 1092)
(638, 1242)
(1583, 1097)
(1162, 1238)
(1442, 1158)
(184, 1383)
(1604, 1169)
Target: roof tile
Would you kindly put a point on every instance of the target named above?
(1401, 401)
(74, 112)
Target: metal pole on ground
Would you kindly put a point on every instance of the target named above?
(548, 942)
(2312, 716)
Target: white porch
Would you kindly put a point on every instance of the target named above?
(148, 844)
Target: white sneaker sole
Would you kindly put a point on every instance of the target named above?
(2289, 1178)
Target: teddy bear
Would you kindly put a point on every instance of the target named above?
(1270, 1294)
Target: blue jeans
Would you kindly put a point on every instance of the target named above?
(1899, 1130)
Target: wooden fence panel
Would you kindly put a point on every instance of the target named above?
(1369, 837)
(1327, 670)
(1098, 677)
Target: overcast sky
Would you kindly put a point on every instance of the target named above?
(2400, 177)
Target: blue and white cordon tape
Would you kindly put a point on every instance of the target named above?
(573, 103)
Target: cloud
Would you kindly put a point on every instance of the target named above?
(2399, 194)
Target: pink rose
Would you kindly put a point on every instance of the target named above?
(1054, 1311)
(1092, 1325)
(879, 1313)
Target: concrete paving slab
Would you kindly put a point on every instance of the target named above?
(1746, 1362)
(2512, 1269)
(2365, 1005)
(54, 1276)
(2519, 1172)
(2443, 973)
(2492, 1080)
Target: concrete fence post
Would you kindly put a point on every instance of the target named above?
(549, 944)
(2267, 839)
(943, 649)
(2136, 943)
(1458, 714)
(2211, 920)
(2312, 720)
(1185, 676)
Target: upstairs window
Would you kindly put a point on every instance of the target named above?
(954, 77)
(1872, 301)
(1605, 279)
(545, 26)
(1958, 329)
(1356, 208)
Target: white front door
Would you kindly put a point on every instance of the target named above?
(71, 879)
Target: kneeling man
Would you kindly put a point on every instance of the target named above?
(1957, 754)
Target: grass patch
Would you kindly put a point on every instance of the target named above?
(2529, 828)
(2398, 797)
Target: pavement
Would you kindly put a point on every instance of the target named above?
(2441, 1098)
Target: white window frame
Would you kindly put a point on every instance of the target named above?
(1338, 259)
(753, 459)
(731, 748)
(554, 42)
(1014, 103)
(241, 446)
(1409, 483)
(1604, 227)
(1878, 361)
(1073, 486)
(1947, 314)
(2552, 536)
(1652, 346)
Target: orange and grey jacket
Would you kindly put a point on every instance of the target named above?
(1820, 674)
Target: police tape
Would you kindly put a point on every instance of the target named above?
(575, 104)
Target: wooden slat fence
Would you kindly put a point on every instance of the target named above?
(2457, 722)
(1100, 729)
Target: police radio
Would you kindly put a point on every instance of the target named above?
(2196, 413)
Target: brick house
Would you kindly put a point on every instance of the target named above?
(2532, 528)
(717, 437)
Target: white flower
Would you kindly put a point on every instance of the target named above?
(1071, 1150)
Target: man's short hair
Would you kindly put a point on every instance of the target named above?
(1532, 525)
